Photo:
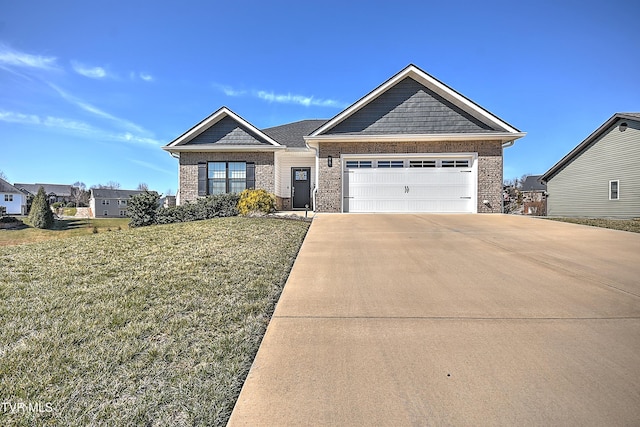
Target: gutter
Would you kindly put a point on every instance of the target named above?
(508, 144)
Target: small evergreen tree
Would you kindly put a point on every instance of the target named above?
(40, 214)
(143, 209)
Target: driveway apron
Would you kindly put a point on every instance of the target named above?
(452, 319)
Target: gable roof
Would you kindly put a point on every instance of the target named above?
(7, 188)
(108, 193)
(234, 133)
(587, 142)
(292, 134)
(61, 190)
(463, 107)
(532, 183)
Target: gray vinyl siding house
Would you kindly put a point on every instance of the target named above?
(107, 203)
(413, 144)
(600, 178)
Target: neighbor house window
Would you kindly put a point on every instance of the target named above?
(105, 213)
(122, 202)
(8, 197)
(123, 213)
(105, 202)
(229, 177)
(614, 190)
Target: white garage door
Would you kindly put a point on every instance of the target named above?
(438, 185)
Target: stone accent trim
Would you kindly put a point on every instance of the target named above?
(188, 170)
(490, 161)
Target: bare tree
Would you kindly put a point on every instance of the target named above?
(143, 187)
(169, 192)
(79, 194)
(111, 185)
(3, 176)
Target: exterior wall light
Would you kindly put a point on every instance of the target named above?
(623, 126)
(329, 161)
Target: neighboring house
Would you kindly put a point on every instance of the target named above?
(534, 196)
(55, 192)
(12, 200)
(413, 144)
(106, 203)
(167, 201)
(600, 177)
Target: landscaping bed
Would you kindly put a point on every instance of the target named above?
(632, 225)
(150, 326)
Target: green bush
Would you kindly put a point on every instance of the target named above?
(143, 209)
(56, 205)
(252, 201)
(220, 205)
(40, 215)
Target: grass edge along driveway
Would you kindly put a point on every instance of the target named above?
(152, 326)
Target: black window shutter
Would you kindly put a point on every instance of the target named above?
(202, 179)
(251, 175)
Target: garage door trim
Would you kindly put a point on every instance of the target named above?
(407, 157)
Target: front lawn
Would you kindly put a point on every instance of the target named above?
(150, 326)
(632, 225)
(62, 229)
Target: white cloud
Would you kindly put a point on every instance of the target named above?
(152, 166)
(146, 77)
(229, 91)
(75, 126)
(132, 127)
(306, 101)
(14, 58)
(91, 72)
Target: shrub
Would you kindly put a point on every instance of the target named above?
(143, 209)
(252, 201)
(56, 205)
(220, 205)
(40, 215)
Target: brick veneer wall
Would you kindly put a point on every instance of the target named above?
(265, 174)
(329, 193)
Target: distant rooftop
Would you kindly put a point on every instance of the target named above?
(532, 183)
(60, 190)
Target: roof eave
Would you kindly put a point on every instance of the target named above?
(222, 148)
(495, 136)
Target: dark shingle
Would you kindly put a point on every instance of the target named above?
(532, 183)
(291, 135)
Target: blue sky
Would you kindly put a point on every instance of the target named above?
(90, 91)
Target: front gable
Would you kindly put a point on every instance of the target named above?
(413, 105)
(409, 107)
(223, 130)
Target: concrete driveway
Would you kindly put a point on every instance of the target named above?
(454, 320)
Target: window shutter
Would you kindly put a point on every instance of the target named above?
(251, 175)
(202, 179)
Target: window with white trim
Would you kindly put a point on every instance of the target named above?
(8, 197)
(123, 213)
(422, 163)
(455, 163)
(122, 202)
(614, 190)
(105, 202)
(390, 163)
(105, 213)
(355, 164)
(227, 177)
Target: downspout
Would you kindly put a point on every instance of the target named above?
(504, 145)
(315, 187)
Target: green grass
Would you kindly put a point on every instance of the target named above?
(632, 225)
(150, 326)
(61, 230)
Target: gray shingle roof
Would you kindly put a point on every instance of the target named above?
(5, 187)
(106, 193)
(291, 134)
(531, 183)
(60, 190)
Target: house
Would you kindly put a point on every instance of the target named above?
(167, 201)
(108, 203)
(55, 192)
(12, 200)
(534, 196)
(600, 177)
(413, 144)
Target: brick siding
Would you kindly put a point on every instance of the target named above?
(490, 160)
(265, 174)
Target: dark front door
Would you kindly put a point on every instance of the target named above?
(301, 188)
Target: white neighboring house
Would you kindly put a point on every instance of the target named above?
(12, 200)
(107, 203)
